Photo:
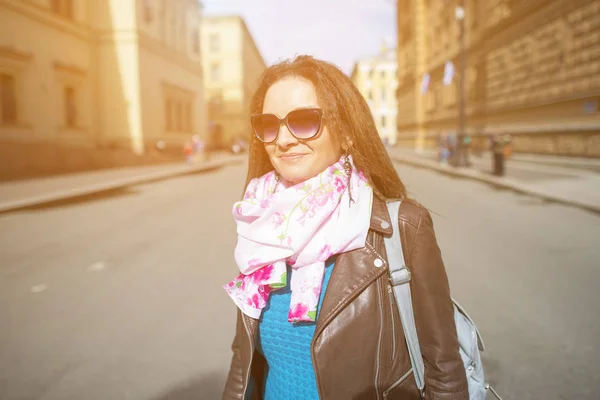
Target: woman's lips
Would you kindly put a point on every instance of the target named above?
(291, 156)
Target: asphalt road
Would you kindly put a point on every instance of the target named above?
(118, 296)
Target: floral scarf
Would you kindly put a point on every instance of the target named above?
(301, 225)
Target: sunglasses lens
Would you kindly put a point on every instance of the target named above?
(304, 124)
(266, 127)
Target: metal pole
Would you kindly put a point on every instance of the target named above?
(462, 61)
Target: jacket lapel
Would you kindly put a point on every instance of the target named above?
(355, 270)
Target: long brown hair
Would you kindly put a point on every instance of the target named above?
(348, 118)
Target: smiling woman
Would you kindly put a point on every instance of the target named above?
(304, 146)
(316, 317)
(345, 125)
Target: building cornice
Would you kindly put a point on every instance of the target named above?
(147, 42)
(72, 69)
(589, 94)
(530, 15)
(14, 54)
(46, 17)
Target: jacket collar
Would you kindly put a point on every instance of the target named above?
(380, 218)
(356, 270)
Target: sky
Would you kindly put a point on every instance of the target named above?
(338, 31)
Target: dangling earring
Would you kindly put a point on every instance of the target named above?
(277, 179)
(348, 170)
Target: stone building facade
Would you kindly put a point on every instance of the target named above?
(375, 78)
(83, 78)
(532, 71)
(233, 66)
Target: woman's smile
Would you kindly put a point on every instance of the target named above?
(292, 157)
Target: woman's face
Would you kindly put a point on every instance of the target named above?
(298, 160)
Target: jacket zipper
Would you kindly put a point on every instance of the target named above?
(312, 357)
(392, 299)
(249, 369)
(379, 290)
(395, 384)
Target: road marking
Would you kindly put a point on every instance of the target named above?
(97, 266)
(39, 288)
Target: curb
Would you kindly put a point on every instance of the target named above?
(115, 184)
(497, 181)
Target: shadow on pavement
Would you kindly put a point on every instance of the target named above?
(180, 175)
(86, 198)
(207, 387)
(128, 190)
(204, 171)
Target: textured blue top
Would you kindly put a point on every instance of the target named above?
(290, 373)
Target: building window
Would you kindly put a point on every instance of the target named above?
(383, 95)
(62, 7)
(169, 115)
(383, 121)
(68, 6)
(148, 15)
(215, 103)
(178, 114)
(183, 39)
(215, 72)
(187, 116)
(370, 95)
(196, 41)
(162, 20)
(70, 107)
(8, 99)
(213, 42)
(178, 120)
(382, 75)
(172, 35)
(179, 109)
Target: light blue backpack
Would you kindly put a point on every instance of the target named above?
(469, 338)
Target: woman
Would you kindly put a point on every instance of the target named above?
(316, 316)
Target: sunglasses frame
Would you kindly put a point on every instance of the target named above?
(284, 120)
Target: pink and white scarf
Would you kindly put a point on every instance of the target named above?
(302, 225)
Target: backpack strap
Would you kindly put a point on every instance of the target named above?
(400, 280)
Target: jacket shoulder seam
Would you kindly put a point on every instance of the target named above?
(418, 227)
(411, 213)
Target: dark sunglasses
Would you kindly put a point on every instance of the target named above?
(303, 123)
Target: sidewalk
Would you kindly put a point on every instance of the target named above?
(589, 164)
(20, 194)
(574, 182)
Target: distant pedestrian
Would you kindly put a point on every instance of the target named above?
(188, 151)
(160, 145)
(198, 147)
(316, 315)
(508, 148)
(465, 151)
(498, 155)
(443, 148)
(452, 145)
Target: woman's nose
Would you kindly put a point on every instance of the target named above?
(285, 138)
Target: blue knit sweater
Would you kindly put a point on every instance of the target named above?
(290, 373)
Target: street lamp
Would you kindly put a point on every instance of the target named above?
(459, 13)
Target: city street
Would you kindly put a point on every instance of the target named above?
(118, 296)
